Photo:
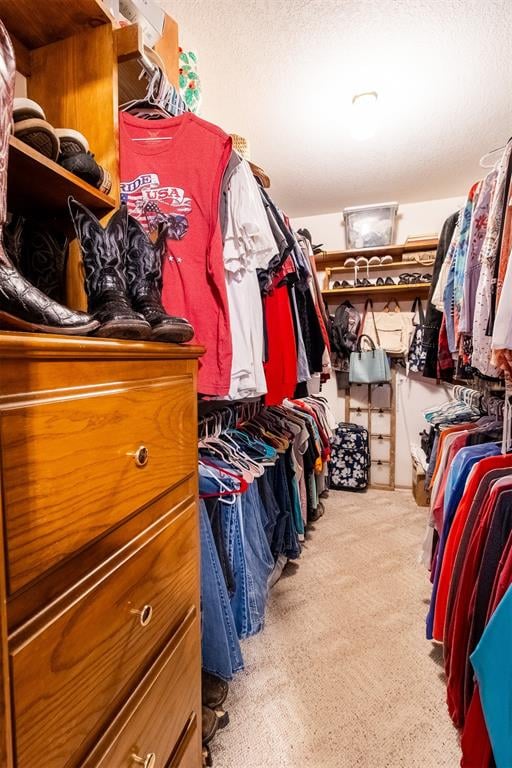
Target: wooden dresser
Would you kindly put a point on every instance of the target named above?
(100, 622)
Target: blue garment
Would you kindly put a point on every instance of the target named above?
(232, 527)
(448, 300)
(219, 642)
(492, 662)
(457, 476)
(258, 558)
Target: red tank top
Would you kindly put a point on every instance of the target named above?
(174, 178)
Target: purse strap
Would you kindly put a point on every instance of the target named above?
(417, 306)
(397, 306)
(369, 303)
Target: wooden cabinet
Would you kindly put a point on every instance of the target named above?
(100, 616)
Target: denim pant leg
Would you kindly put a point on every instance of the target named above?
(234, 540)
(265, 485)
(258, 557)
(220, 647)
(213, 509)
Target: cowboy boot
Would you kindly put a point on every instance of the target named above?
(13, 240)
(144, 274)
(43, 261)
(105, 279)
(22, 306)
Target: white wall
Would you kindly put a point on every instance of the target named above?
(425, 218)
(415, 393)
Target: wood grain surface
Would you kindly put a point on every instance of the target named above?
(161, 708)
(187, 753)
(70, 673)
(36, 24)
(68, 472)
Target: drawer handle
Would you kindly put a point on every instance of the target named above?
(141, 456)
(147, 762)
(145, 615)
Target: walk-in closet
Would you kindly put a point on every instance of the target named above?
(255, 384)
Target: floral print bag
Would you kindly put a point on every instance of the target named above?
(350, 458)
(417, 354)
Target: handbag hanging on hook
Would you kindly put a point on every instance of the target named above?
(369, 366)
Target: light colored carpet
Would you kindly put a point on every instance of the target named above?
(342, 676)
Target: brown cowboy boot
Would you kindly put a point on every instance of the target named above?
(22, 306)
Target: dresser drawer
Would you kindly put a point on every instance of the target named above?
(159, 722)
(70, 471)
(187, 753)
(71, 670)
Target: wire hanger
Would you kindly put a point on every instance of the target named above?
(161, 100)
(486, 160)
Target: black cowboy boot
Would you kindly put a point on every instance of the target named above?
(43, 260)
(144, 274)
(105, 279)
(13, 240)
(22, 306)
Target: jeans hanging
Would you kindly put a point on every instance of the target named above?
(219, 642)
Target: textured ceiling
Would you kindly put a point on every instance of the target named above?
(283, 73)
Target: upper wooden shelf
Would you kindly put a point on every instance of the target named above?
(36, 184)
(332, 258)
(405, 265)
(37, 24)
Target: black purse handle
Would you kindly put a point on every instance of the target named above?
(368, 338)
(418, 306)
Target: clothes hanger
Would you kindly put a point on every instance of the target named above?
(225, 491)
(162, 100)
(486, 160)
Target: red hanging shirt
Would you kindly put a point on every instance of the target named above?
(171, 171)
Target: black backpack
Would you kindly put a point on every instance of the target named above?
(344, 327)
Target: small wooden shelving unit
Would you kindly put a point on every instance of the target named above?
(334, 262)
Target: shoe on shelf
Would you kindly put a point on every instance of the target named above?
(362, 262)
(389, 281)
(387, 259)
(380, 281)
(83, 165)
(39, 135)
(24, 109)
(71, 142)
(374, 261)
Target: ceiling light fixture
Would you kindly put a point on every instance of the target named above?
(364, 115)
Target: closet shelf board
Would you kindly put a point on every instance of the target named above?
(38, 24)
(36, 183)
(380, 292)
(405, 265)
(331, 258)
